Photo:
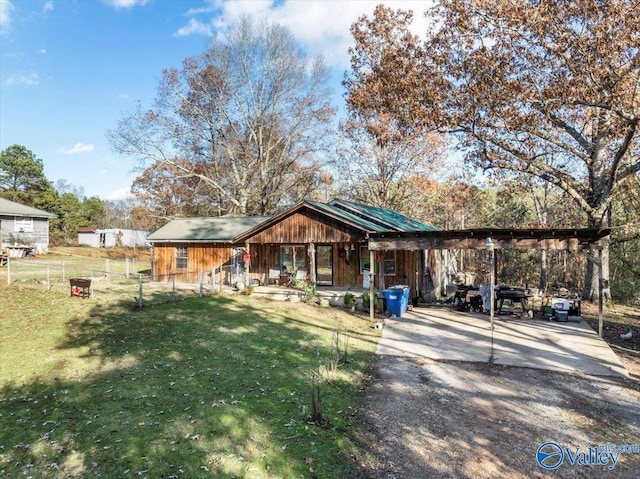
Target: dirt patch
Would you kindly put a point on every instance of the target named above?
(439, 419)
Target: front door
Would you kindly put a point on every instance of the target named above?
(324, 265)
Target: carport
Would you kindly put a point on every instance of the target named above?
(467, 336)
(491, 239)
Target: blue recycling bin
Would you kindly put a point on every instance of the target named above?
(396, 300)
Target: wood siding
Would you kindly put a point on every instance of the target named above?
(306, 228)
(302, 228)
(201, 258)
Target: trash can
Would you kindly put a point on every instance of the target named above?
(404, 298)
(392, 298)
(396, 300)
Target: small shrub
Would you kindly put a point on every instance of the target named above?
(349, 300)
(309, 289)
(366, 301)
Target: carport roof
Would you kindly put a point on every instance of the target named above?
(572, 239)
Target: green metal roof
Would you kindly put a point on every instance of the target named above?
(365, 224)
(11, 208)
(387, 220)
(222, 229)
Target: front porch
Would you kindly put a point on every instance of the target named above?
(327, 295)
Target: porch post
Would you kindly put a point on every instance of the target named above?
(371, 277)
(247, 265)
(312, 263)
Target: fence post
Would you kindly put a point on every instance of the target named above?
(48, 277)
(63, 271)
(8, 270)
(139, 291)
(106, 268)
(126, 268)
(201, 282)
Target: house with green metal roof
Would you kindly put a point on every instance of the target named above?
(322, 243)
(23, 228)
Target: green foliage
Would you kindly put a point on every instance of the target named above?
(625, 271)
(307, 287)
(74, 213)
(349, 299)
(366, 300)
(21, 174)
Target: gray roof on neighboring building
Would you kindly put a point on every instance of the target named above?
(221, 229)
(11, 208)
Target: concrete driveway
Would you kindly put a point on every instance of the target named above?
(444, 334)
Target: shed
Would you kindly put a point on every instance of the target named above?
(24, 226)
(112, 237)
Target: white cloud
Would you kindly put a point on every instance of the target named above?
(118, 4)
(6, 7)
(21, 79)
(48, 7)
(42, 51)
(122, 96)
(77, 148)
(120, 194)
(321, 27)
(194, 27)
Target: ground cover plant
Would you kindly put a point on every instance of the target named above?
(217, 386)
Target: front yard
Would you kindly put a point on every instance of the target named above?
(208, 387)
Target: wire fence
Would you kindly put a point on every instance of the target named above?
(128, 280)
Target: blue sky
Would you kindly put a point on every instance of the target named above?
(70, 69)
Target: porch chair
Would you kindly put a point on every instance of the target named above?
(274, 274)
(301, 274)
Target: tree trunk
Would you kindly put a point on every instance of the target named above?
(544, 272)
(592, 276)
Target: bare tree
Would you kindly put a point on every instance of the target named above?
(549, 89)
(244, 118)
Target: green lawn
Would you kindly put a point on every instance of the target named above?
(207, 387)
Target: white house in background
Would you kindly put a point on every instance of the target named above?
(23, 227)
(111, 237)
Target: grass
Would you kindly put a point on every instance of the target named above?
(207, 387)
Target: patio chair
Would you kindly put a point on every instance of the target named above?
(301, 274)
(274, 275)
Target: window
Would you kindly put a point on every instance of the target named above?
(389, 263)
(181, 257)
(364, 260)
(292, 258)
(23, 225)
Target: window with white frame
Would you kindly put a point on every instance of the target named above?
(23, 225)
(389, 263)
(181, 257)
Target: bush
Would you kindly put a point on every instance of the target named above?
(366, 300)
(349, 300)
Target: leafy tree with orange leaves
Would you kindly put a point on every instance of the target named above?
(536, 87)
